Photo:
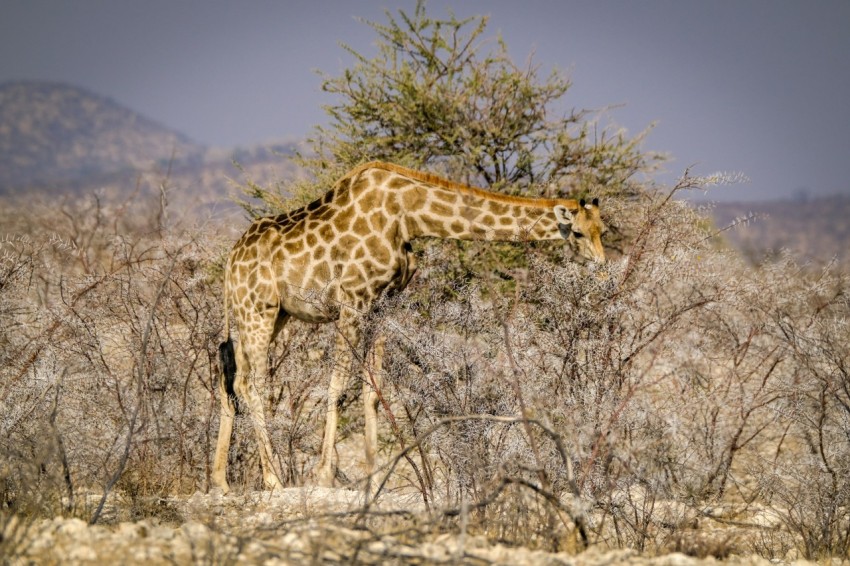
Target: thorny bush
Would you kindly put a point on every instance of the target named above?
(672, 388)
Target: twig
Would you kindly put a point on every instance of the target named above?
(140, 386)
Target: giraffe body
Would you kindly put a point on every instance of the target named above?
(332, 259)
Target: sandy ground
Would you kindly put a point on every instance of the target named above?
(295, 526)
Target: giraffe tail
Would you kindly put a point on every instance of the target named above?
(226, 355)
(227, 359)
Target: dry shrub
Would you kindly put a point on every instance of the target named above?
(676, 382)
(109, 352)
(673, 390)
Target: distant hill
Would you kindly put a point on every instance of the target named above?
(58, 140)
(815, 230)
(56, 133)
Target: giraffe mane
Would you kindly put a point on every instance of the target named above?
(433, 179)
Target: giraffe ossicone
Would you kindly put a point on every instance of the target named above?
(332, 259)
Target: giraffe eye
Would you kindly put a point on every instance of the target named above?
(578, 234)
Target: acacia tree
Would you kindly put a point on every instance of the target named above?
(439, 95)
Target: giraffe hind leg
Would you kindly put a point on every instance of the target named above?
(228, 412)
(252, 354)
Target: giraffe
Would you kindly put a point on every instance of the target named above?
(332, 259)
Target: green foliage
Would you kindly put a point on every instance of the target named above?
(439, 95)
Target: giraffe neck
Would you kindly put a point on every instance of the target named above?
(465, 213)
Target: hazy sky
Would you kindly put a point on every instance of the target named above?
(756, 86)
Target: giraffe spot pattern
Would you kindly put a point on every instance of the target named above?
(331, 259)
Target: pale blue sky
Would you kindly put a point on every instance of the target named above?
(756, 86)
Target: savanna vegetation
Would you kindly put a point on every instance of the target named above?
(677, 398)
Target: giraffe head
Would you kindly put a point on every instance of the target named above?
(582, 228)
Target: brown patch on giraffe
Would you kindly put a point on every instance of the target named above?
(517, 211)
(379, 176)
(469, 213)
(342, 250)
(265, 273)
(413, 199)
(369, 200)
(399, 183)
(411, 226)
(360, 185)
(391, 204)
(498, 208)
(442, 209)
(296, 229)
(392, 231)
(342, 220)
(296, 277)
(293, 247)
(378, 221)
(321, 272)
(377, 249)
(239, 294)
(353, 276)
(360, 227)
(326, 232)
(347, 241)
(457, 227)
(446, 196)
(469, 201)
(342, 197)
(324, 213)
(435, 226)
(297, 216)
(244, 254)
(341, 184)
(311, 239)
(287, 229)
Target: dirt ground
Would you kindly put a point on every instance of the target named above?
(295, 526)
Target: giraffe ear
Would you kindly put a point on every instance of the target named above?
(563, 215)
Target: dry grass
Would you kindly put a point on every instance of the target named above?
(676, 399)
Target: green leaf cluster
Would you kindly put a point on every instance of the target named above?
(439, 95)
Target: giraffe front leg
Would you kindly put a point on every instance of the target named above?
(372, 381)
(347, 340)
(271, 480)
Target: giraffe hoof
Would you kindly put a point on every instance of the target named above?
(219, 491)
(325, 479)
